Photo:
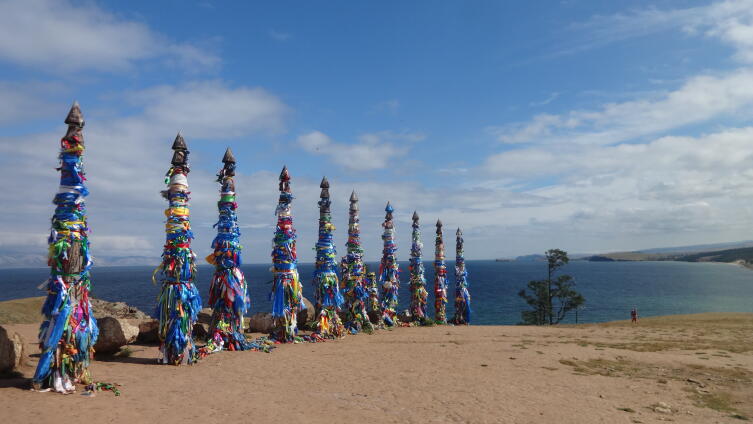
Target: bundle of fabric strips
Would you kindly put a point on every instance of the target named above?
(374, 307)
(69, 331)
(179, 301)
(462, 296)
(389, 271)
(102, 387)
(353, 278)
(417, 278)
(440, 279)
(328, 298)
(228, 295)
(287, 291)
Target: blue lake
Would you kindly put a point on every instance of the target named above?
(611, 289)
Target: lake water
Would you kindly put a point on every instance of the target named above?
(611, 289)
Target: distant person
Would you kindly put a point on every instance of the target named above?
(634, 315)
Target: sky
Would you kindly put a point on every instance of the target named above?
(582, 125)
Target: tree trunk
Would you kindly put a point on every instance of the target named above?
(75, 261)
(549, 294)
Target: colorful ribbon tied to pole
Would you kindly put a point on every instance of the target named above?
(354, 280)
(417, 279)
(462, 296)
(179, 301)
(287, 290)
(69, 331)
(440, 279)
(228, 295)
(389, 271)
(374, 307)
(327, 294)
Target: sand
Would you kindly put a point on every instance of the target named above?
(699, 366)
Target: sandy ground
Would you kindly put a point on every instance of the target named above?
(700, 366)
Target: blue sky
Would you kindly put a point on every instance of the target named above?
(583, 125)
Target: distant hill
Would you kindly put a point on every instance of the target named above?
(674, 253)
(700, 247)
(531, 258)
(729, 255)
(633, 256)
(597, 258)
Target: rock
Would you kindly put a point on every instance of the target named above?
(205, 316)
(261, 322)
(200, 331)
(148, 327)
(404, 316)
(11, 350)
(148, 331)
(690, 380)
(114, 333)
(103, 308)
(662, 408)
(375, 317)
(306, 315)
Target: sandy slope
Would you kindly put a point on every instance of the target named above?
(504, 374)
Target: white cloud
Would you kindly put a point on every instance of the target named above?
(552, 97)
(213, 109)
(726, 153)
(389, 106)
(62, 36)
(683, 189)
(26, 101)
(669, 188)
(614, 177)
(279, 35)
(125, 161)
(729, 21)
(372, 151)
(598, 196)
(699, 99)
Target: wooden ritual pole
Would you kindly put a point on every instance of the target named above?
(329, 300)
(389, 271)
(462, 296)
(353, 275)
(417, 278)
(440, 278)
(69, 331)
(287, 291)
(179, 301)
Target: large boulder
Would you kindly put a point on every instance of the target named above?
(404, 316)
(306, 315)
(103, 308)
(148, 330)
(375, 317)
(200, 331)
(264, 323)
(115, 333)
(205, 316)
(147, 326)
(11, 350)
(261, 323)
